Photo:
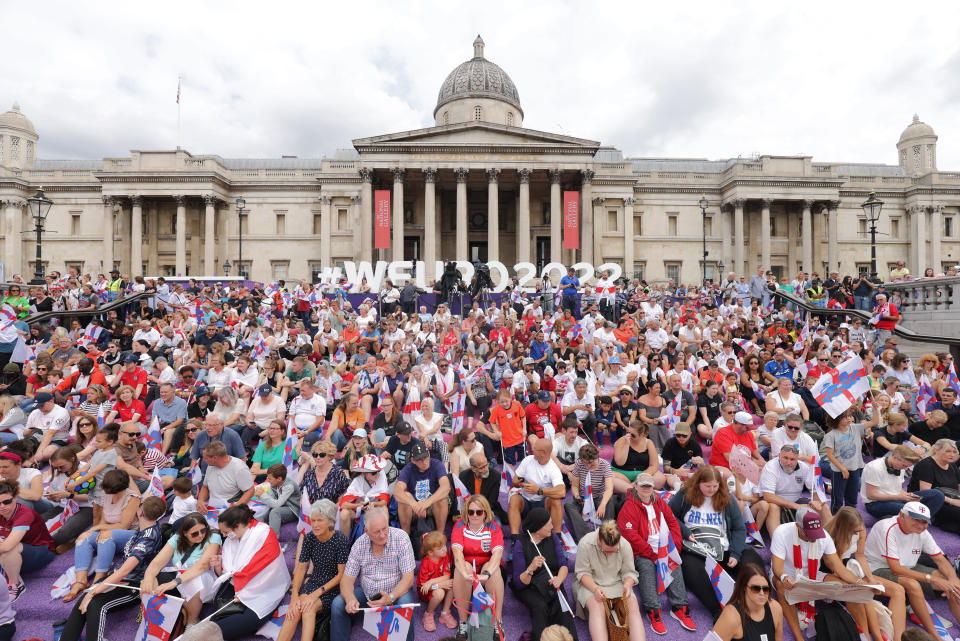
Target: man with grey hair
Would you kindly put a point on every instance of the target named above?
(484, 479)
(885, 319)
(379, 572)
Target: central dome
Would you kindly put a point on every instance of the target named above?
(478, 79)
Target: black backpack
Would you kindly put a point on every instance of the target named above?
(834, 623)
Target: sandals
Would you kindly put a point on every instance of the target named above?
(75, 590)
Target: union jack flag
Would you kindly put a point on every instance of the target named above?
(925, 396)
(668, 557)
(952, 380)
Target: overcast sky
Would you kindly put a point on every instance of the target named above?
(835, 80)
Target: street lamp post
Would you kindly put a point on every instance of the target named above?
(871, 207)
(39, 208)
(241, 203)
(226, 267)
(703, 211)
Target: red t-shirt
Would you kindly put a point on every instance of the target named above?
(501, 335)
(724, 441)
(890, 311)
(509, 423)
(537, 417)
(137, 377)
(430, 571)
(477, 546)
(24, 518)
(126, 412)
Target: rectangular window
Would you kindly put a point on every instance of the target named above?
(74, 264)
(243, 269)
(343, 223)
(315, 270)
(173, 224)
(862, 226)
(863, 268)
(317, 224)
(948, 226)
(711, 271)
(800, 227)
(279, 269)
(545, 213)
(144, 226)
(894, 228)
(75, 223)
(638, 225)
(612, 220)
(638, 270)
(773, 225)
(672, 271)
(672, 225)
(708, 226)
(281, 224)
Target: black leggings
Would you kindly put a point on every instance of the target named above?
(697, 580)
(96, 616)
(948, 518)
(235, 626)
(544, 613)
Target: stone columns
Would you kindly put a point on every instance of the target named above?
(13, 242)
(210, 267)
(832, 258)
(765, 234)
(493, 214)
(628, 237)
(919, 213)
(399, 173)
(586, 216)
(136, 236)
(356, 217)
(738, 265)
(325, 226)
(107, 234)
(726, 235)
(462, 173)
(556, 217)
(936, 230)
(430, 221)
(597, 234)
(363, 232)
(523, 217)
(181, 266)
(806, 242)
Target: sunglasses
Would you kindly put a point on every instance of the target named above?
(757, 589)
(130, 433)
(8, 501)
(319, 455)
(85, 424)
(199, 532)
(470, 440)
(470, 512)
(792, 428)
(41, 368)
(192, 430)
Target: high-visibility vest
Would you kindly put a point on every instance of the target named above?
(115, 286)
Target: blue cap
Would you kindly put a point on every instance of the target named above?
(131, 358)
(201, 390)
(43, 397)
(544, 396)
(264, 390)
(614, 360)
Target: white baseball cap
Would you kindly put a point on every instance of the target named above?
(743, 418)
(916, 510)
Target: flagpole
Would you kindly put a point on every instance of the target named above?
(397, 606)
(563, 599)
(113, 585)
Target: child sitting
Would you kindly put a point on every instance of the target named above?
(606, 420)
(183, 500)
(282, 497)
(435, 581)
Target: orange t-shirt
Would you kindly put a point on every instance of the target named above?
(349, 334)
(509, 422)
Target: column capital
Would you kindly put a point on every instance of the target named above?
(107, 200)
(726, 207)
(556, 175)
(462, 173)
(355, 199)
(628, 202)
(181, 201)
(915, 209)
(936, 209)
(738, 203)
(429, 175)
(598, 201)
(587, 176)
(399, 173)
(832, 205)
(807, 204)
(493, 175)
(210, 200)
(366, 174)
(12, 202)
(136, 200)
(766, 202)
(325, 199)
(524, 175)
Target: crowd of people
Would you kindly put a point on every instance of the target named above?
(588, 430)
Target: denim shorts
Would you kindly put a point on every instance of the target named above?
(35, 557)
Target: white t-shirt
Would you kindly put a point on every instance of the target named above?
(804, 442)
(306, 411)
(567, 454)
(531, 471)
(789, 486)
(887, 540)
(781, 546)
(57, 419)
(610, 382)
(653, 529)
(875, 473)
(570, 399)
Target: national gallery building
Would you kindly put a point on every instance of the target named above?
(475, 186)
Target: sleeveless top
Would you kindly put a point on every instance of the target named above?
(763, 630)
(636, 461)
(653, 413)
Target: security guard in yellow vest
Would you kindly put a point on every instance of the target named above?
(115, 286)
(816, 294)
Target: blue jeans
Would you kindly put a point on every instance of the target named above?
(338, 439)
(932, 498)
(845, 490)
(862, 302)
(83, 553)
(341, 622)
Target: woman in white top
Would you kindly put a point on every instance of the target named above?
(231, 409)
(245, 375)
(463, 445)
(218, 377)
(428, 427)
(784, 401)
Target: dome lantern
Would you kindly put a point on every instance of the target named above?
(917, 147)
(478, 90)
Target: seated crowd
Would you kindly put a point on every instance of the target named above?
(638, 442)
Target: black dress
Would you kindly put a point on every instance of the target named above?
(326, 556)
(763, 630)
(948, 516)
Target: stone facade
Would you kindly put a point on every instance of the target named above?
(476, 186)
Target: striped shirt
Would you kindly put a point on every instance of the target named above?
(383, 573)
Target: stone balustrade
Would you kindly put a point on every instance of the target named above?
(928, 295)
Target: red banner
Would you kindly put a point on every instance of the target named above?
(381, 219)
(571, 220)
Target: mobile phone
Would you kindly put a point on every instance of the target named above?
(376, 597)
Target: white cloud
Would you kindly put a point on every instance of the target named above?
(697, 79)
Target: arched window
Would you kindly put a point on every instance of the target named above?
(509, 118)
(477, 112)
(446, 117)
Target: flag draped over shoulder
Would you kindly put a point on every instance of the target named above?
(258, 570)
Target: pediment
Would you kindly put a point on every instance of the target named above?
(475, 134)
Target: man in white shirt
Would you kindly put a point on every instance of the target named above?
(792, 433)
(541, 484)
(782, 483)
(147, 332)
(227, 478)
(612, 379)
(603, 336)
(50, 423)
(526, 379)
(656, 337)
(882, 485)
(893, 550)
(580, 402)
(309, 410)
(807, 539)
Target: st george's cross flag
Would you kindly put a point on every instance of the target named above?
(461, 491)
(389, 623)
(159, 616)
(589, 509)
(271, 628)
(54, 524)
(721, 581)
(303, 522)
(256, 566)
(838, 389)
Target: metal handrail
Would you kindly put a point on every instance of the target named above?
(88, 313)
